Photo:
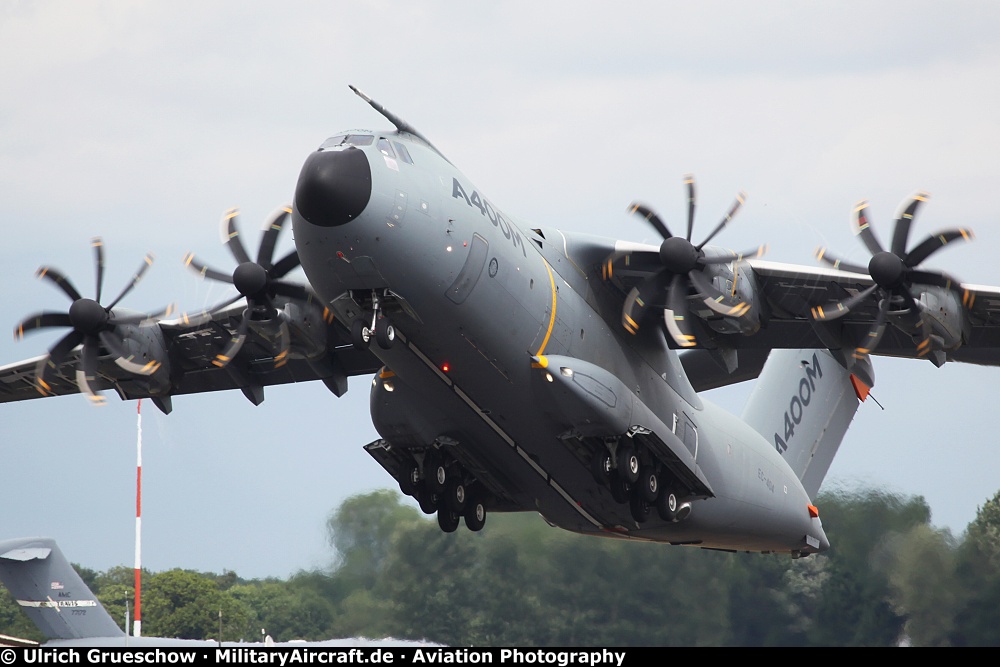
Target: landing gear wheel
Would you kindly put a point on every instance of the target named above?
(428, 500)
(638, 507)
(448, 520)
(409, 481)
(435, 474)
(628, 464)
(620, 489)
(455, 495)
(475, 516)
(666, 505)
(361, 335)
(649, 484)
(600, 467)
(385, 333)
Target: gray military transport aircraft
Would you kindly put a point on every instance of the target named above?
(533, 369)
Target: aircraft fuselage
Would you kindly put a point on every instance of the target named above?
(509, 366)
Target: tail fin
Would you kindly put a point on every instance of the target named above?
(804, 402)
(50, 591)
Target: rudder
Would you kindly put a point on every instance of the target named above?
(803, 403)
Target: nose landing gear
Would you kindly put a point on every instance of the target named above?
(379, 326)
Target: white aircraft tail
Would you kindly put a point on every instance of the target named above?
(50, 591)
(803, 403)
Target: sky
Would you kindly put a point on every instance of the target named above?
(141, 122)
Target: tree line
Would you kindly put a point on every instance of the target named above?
(890, 578)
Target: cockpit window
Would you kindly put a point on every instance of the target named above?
(404, 154)
(333, 141)
(348, 140)
(385, 147)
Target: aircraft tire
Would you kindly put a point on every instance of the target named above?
(600, 467)
(435, 474)
(361, 335)
(649, 484)
(475, 515)
(385, 333)
(628, 464)
(639, 508)
(456, 495)
(428, 501)
(667, 504)
(619, 489)
(448, 520)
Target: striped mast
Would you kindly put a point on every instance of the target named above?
(137, 622)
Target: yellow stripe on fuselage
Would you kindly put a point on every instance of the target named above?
(552, 316)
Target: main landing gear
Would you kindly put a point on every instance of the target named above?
(378, 326)
(639, 481)
(441, 485)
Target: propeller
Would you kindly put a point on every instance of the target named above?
(678, 269)
(258, 281)
(894, 272)
(91, 324)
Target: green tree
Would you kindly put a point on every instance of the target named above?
(978, 571)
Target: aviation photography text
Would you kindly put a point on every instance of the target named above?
(318, 656)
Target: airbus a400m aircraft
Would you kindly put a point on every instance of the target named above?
(532, 369)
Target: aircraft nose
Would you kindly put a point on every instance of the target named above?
(334, 187)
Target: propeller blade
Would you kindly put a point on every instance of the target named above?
(63, 347)
(285, 265)
(60, 280)
(231, 236)
(147, 262)
(933, 278)
(144, 317)
(832, 311)
(205, 316)
(874, 334)
(759, 251)
(290, 290)
(265, 253)
(206, 271)
(863, 228)
(651, 217)
(641, 296)
(676, 314)
(734, 209)
(934, 243)
(234, 345)
(56, 354)
(689, 182)
(901, 232)
(98, 246)
(124, 359)
(41, 321)
(824, 255)
(718, 301)
(86, 375)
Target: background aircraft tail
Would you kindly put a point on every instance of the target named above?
(803, 403)
(50, 591)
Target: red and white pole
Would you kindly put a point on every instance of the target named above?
(137, 622)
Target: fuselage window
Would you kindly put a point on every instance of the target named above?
(404, 154)
(385, 147)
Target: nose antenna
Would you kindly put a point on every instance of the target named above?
(400, 124)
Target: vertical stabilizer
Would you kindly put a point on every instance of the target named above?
(803, 403)
(50, 591)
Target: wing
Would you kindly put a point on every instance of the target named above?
(303, 342)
